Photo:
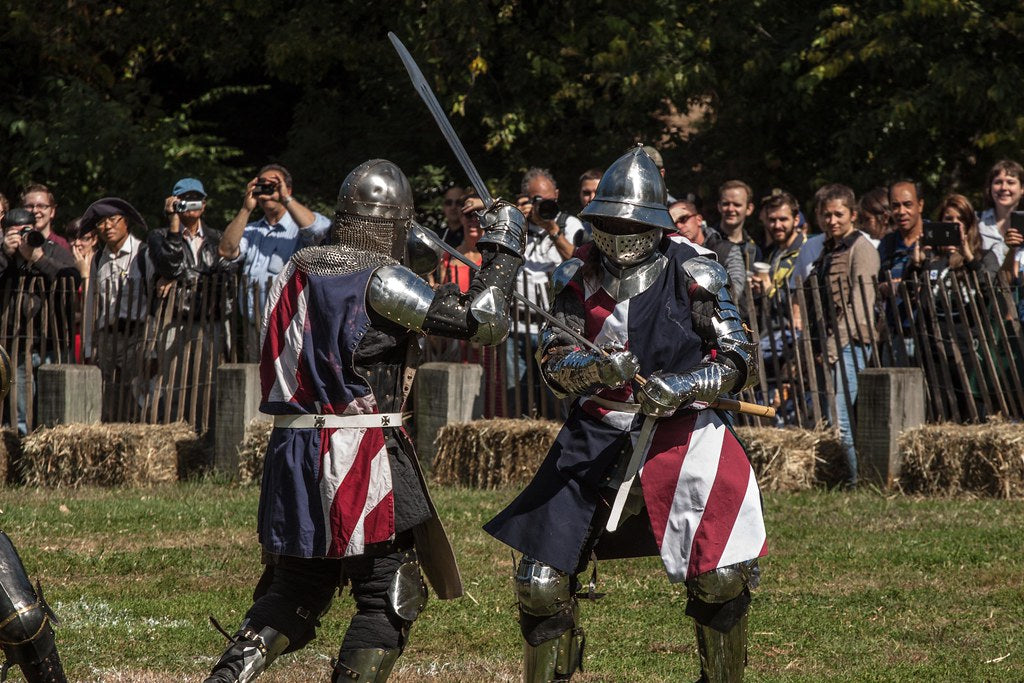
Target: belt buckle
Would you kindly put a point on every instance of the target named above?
(319, 421)
(385, 421)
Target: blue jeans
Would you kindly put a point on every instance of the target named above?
(854, 358)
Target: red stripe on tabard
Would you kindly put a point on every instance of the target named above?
(350, 498)
(380, 521)
(661, 471)
(722, 507)
(599, 306)
(280, 318)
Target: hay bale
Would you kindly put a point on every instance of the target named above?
(76, 455)
(253, 449)
(492, 453)
(948, 459)
(793, 459)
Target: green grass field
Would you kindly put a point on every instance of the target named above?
(858, 587)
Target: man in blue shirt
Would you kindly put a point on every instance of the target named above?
(263, 247)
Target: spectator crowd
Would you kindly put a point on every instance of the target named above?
(109, 289)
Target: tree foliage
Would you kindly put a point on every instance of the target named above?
(122, 98)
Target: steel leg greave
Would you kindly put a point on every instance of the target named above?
(554, 660)
(723, 656)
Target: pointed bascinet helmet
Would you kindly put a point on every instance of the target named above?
(374, 208)
(628, 212)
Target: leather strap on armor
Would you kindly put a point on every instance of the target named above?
(370, 665)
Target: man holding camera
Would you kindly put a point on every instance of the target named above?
(185, 253)
(551, 237)
(38, 199)
(31, 263)
(261, 248)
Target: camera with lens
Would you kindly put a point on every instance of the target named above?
(34, 238)
(264, 188)
(181, 206)
(547, 209)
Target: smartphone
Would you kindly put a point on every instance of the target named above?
(941, 235)
(1017, 220)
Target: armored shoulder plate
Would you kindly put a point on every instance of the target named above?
(564, 274)
(399, 295)
(710, 275)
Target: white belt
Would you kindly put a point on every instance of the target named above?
(338, 421)
(615, 405)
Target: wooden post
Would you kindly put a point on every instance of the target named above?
(889, 401)
(445, 393)
(70, 394)
(238, 402)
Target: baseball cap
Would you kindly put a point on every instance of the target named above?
(655, 156)
(188, 185)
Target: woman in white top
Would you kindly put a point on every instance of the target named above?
(1002, 196)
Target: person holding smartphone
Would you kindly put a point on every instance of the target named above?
(1001, 234)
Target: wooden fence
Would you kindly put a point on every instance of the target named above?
(159, 354)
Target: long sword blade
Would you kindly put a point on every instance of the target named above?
(427, 95)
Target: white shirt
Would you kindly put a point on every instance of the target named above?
(540, 259)
(112, 273)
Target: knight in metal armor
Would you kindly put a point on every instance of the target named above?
(643, 465)
(26, 631)
(343, 501)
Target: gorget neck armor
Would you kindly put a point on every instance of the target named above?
(625, 283)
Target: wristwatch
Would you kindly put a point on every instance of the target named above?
(286, 200)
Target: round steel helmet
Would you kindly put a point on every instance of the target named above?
(374, 209)
(376, 188)
(632, 194)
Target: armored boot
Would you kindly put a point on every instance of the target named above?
(372, 665)
(723, 656)
(553, 647)
(249, 655)
(26, 636)
(718, 602)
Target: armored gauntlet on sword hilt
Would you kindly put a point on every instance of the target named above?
(583, 371)
(666, 392)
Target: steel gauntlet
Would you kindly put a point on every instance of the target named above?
(666, 392)
(574, 371)
(504, 225)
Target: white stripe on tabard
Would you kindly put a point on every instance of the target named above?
(696, 477)
(341, 453)
(748, 533)
(379, 486)
(273, 296)
(616, 326)
(286, 365)
(701, 251)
